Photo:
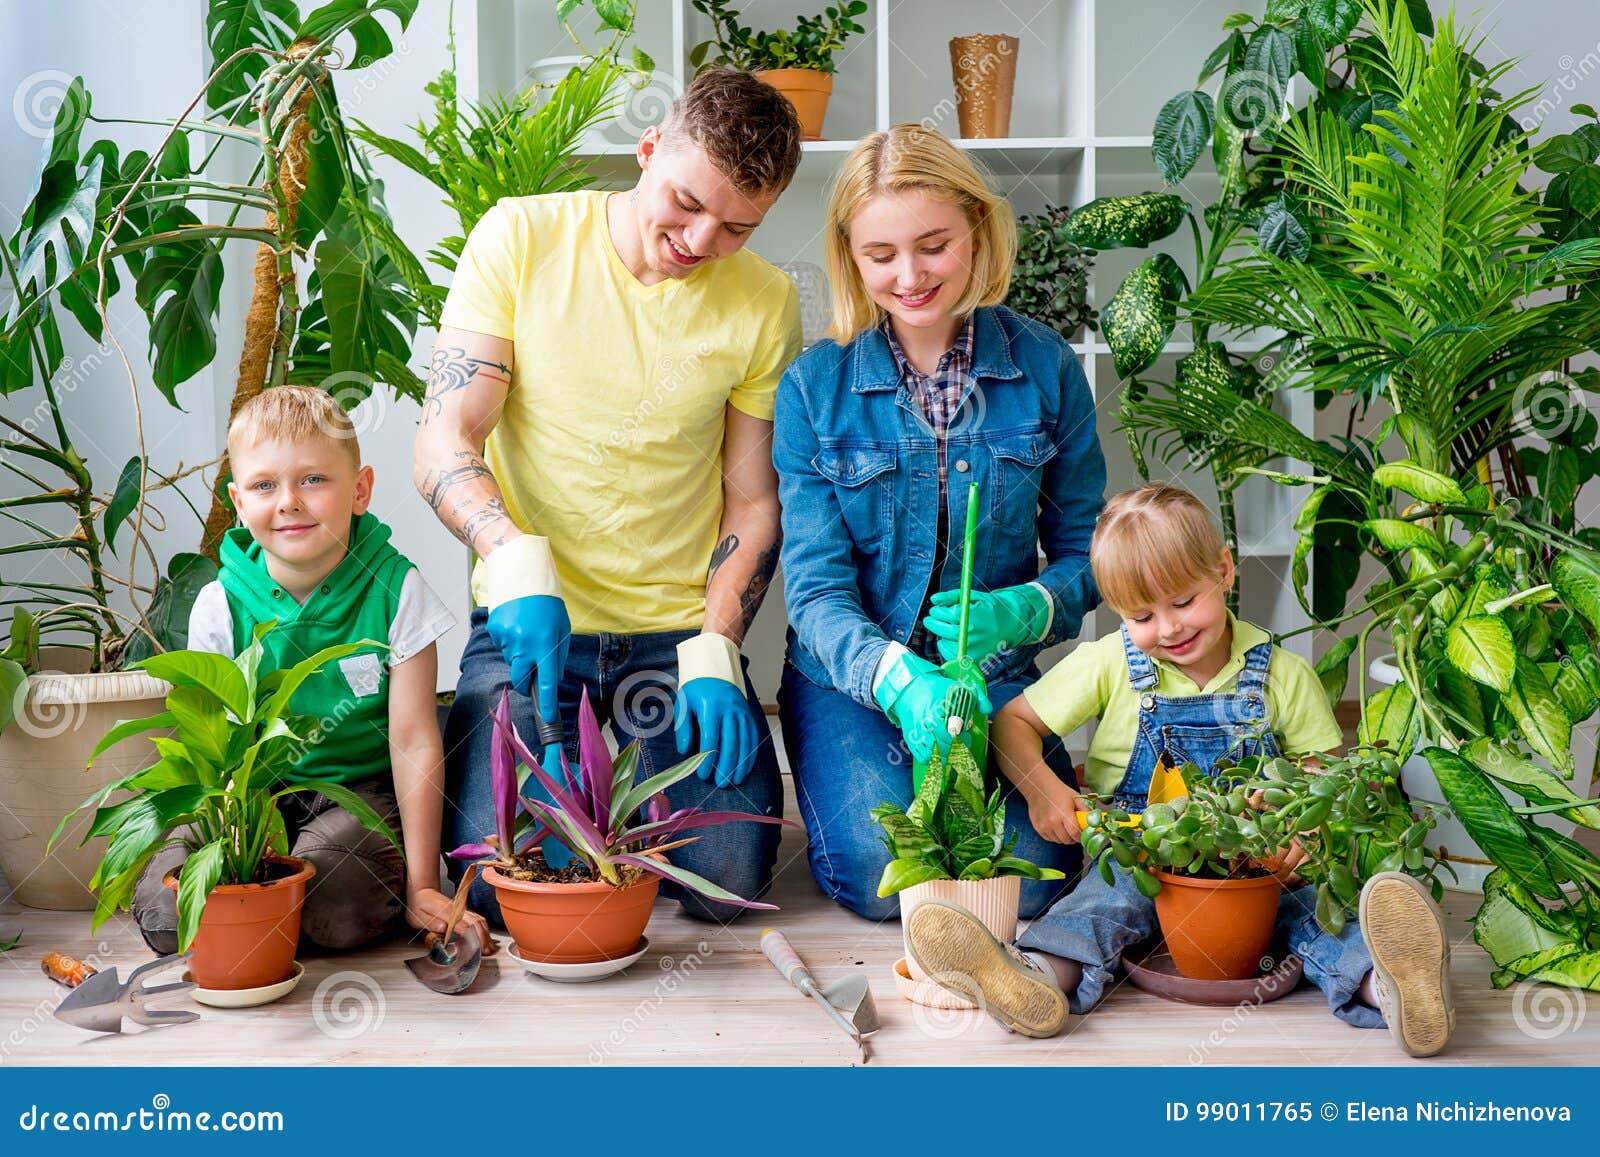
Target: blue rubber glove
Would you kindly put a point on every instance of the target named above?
(999, 620)
(912, 694)
(712, 704)
(528, 622)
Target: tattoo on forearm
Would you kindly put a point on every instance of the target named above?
(467, 519)
(724, 551)
(453, 370)
(756, 589)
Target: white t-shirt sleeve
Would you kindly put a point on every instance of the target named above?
(211, 622)
(420, 618)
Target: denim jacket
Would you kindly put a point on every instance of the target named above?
(858, 476)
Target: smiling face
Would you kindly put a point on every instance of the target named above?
(297, 499)
(1187, 628)
(684, 211)
(914, 252)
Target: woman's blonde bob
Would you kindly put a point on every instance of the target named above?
(1151, 543)
(912, 156)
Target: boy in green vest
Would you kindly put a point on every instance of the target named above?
(311, 558)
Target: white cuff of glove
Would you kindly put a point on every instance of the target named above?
(709, 656)
(522, 567)
(891, 656)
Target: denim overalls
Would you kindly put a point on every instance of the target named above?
(1097, 921)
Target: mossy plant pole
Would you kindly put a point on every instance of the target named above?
(270, 325)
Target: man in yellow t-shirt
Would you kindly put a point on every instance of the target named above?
(598, 429)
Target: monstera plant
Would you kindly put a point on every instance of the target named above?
(1428, 278)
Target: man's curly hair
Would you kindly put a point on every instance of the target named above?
(747, 128)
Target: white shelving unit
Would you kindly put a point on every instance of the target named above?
(1091, 76)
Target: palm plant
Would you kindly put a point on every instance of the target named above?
(1426, 280)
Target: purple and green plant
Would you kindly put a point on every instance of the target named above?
(606, 820)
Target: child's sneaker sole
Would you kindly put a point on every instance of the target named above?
(958, 953)
(1405, 933)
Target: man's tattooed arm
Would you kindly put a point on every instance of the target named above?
(467, 386)
(746, 555)
(453, 370)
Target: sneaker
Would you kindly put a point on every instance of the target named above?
(960, 955)
(1405, 933)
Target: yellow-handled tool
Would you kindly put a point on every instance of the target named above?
(1166, 786)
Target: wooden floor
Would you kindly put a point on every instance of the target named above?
(707, 996)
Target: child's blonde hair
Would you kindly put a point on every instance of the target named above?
(292, 414)
(1152, 542)
(912, 156)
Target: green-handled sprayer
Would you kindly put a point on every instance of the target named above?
(966, 723)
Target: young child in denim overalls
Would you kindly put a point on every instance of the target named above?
(1182, 677)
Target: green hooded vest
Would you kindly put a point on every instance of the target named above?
(358, 600)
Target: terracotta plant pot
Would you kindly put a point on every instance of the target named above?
(573, 923)
(1217, 929)
(994, 901)
(249, 932)
(984, 70)
(42, 776)
(808, 90)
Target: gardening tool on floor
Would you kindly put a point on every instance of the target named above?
(964, 721)
(451, 964)
(100, 1002)
(847, 1001)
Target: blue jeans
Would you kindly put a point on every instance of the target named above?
(631, 680)
(847, 759)
(1098, 922)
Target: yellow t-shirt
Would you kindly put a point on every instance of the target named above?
(610, 442)
(1092, 683)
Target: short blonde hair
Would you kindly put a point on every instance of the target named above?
(292, 414)
(912, 156)
(1152, 542)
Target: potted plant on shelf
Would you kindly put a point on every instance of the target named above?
(619, 832)
(1050, 278)
(950, 844)
(798, 64)
(1490, 596)
(215, 790)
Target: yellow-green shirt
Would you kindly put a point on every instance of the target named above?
(1092, 683)
(610, 441)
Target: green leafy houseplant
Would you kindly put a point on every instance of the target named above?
(1348, 814)
(950, 831)
(218, 779)
(1050, 278)
(810, 45)
(99, 218)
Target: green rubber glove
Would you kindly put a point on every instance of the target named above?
(999, 620)
(912, 694)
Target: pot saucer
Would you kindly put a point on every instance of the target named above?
(247, 997)
(580, 973)
(1157, 975)
(925, 992)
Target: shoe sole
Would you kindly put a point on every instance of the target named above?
(959, 955)
(1405, 934)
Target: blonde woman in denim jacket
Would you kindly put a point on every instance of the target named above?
(928, 384)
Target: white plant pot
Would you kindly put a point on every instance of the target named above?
(994, 901)
(42, 777)
(1450, 841)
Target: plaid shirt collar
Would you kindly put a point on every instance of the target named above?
(954, 362)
